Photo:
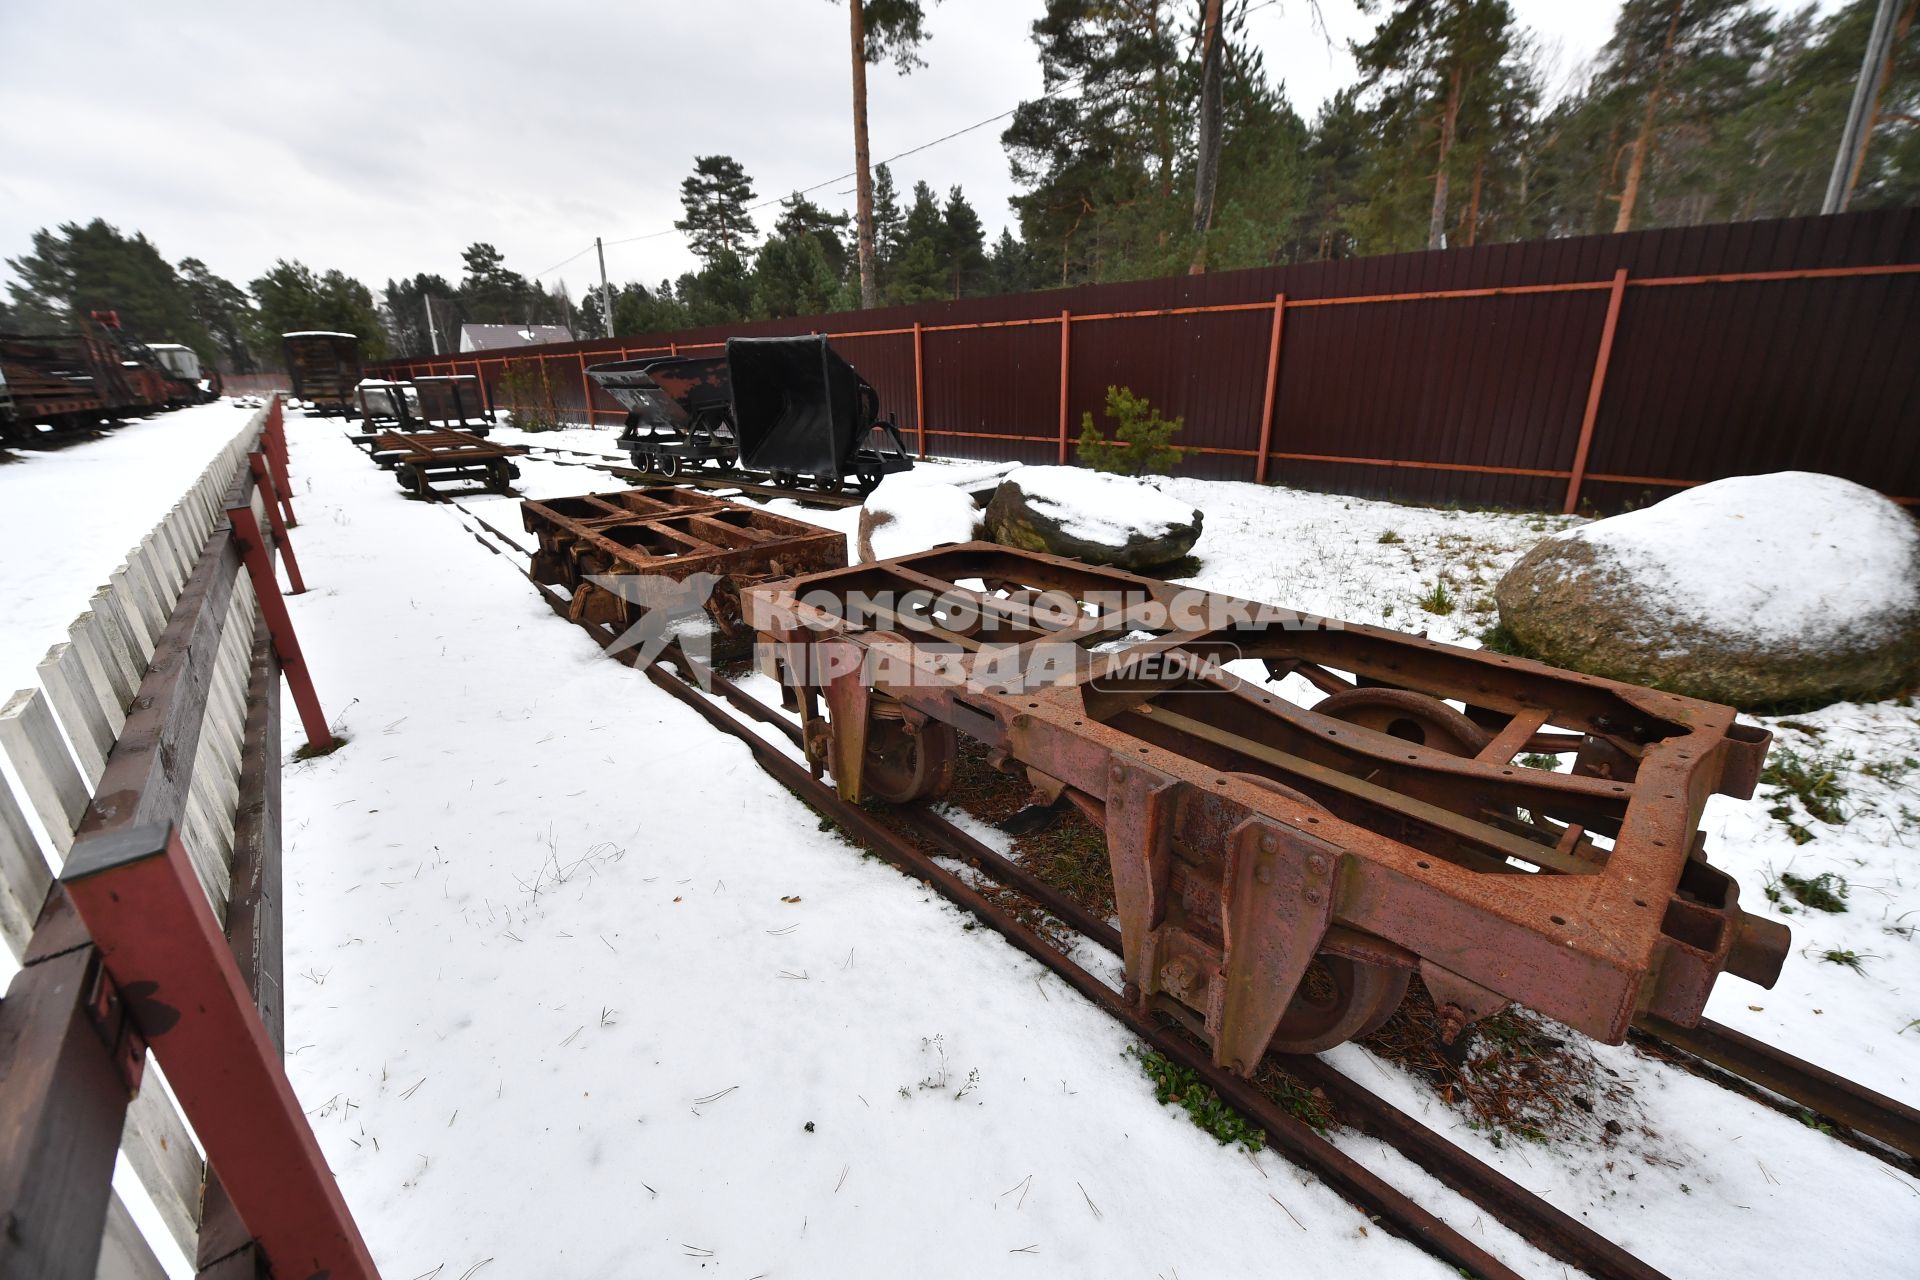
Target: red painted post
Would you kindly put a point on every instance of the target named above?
(264, 478)
(286, 645)
(919, 393)
(586, 389)
(1066, 346)
(486, 401)
(1594, 390)
(276, 435)
(1273, 386)
(140, 900)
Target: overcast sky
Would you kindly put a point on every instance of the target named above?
(383, 138)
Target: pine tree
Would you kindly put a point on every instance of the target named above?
(222, 310)
(1431, 67)
(880, 29)
(715, 196)
(888, 222)
(291, 297)
(800, 216)
(81, 269)
(961, 244)
(792, 277)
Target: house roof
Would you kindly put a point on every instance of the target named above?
(492, 337)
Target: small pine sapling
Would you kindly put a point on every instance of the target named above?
(1142, 439)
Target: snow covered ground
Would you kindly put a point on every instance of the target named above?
(573, 987)
(69, 516)
(1696, 1179)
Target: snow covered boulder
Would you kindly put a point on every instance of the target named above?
(912, 511)
(1757, 591)
(1102, 519)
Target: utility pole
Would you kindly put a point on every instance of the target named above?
(433, 334)
(606, 294)
(1860, 113)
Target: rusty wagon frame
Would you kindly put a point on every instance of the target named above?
(661, 537)
(1281, 870)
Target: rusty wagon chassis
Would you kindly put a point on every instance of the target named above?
(1281, 870)
(625, 556)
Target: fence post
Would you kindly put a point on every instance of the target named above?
(586, 390)
(265, 479)
(276, 436)
(1273, 386)
(486, 401)
(919, 393)
(1594, 388)
(1066, 347)
(286, 645)
(141, 902)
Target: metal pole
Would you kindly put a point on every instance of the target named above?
(1595, 387)
(433, 334)
(1853, 142)
(606, 294)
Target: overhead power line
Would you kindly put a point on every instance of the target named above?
(1060, 88)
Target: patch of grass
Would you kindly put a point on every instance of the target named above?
(1439, 601)
(1890, 771)
(1849, 959)
(1514, 1075)
(311, 752)
(1071, 856)
(1389, 538)
(1174, 1084)
(1534, 760)
(1824, 892)
(1499, 639)
(1814, 779)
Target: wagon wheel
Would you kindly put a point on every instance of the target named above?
(667, 464)
(905, 762)
(1427, 721)
(828, 484)
(1418, 718)
(410, 481)
(868, 479)
(499, 479)
(726, 461)
(1341, 998)
(786, 480)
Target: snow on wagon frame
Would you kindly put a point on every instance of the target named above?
(1280, 871)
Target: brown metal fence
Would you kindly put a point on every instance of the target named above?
(1547, 373)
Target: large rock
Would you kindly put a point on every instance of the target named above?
(914, 511)
(1102, 519)
(1791, 588)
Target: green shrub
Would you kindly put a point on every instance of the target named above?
(1141, 440)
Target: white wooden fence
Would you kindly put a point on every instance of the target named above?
(57, 737)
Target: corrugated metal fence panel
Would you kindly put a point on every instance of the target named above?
(1467, 399)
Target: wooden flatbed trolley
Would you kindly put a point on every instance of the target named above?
(423, 459)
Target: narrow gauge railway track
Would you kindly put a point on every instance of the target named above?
(731, 482)
(917, 835)
(1554, 1232)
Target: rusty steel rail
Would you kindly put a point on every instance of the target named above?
(1871, 1115)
